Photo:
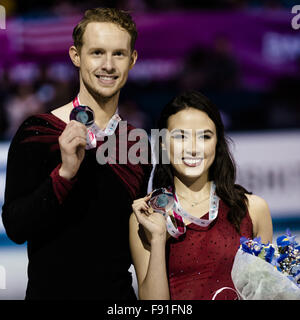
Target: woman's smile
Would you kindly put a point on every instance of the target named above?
(192, 162)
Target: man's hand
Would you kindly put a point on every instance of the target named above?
(72, 144)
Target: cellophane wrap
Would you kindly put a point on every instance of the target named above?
(256, 279)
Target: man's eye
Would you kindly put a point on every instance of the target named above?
(119, 53)
(97, 52)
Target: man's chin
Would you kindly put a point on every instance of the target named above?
(107, 97)
(103, 95)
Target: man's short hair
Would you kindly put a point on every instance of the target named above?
(119, 17)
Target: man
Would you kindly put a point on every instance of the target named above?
(72, 211)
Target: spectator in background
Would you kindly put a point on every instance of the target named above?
(65, 8)
(284, 101)
(65, 83)
(195, 72)
(4, 84)
(130, 110)
(20, 106)
(210, 69)
(223, 69)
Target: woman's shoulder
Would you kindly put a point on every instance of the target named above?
(256, 203)
(260, 215)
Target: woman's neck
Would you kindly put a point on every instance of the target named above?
(197, 189)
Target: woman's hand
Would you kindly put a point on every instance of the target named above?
(149, 255)
(153, 222)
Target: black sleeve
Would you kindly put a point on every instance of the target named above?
(30, 204)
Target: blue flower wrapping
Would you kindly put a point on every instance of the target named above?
(267, 271)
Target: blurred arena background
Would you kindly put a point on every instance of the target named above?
(243, 54)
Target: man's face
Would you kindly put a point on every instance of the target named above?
(105, 58)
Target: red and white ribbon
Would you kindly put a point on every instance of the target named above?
(94, 133)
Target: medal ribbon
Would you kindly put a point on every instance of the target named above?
(179, 214)
(213, 209)
(94, 132)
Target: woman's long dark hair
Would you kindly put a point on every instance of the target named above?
(222, 171)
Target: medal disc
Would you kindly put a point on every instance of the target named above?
(161, 199)
(83, 114)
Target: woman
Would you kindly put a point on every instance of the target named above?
(197, 264)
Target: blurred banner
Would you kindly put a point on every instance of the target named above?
(268, 164)
(263, 42)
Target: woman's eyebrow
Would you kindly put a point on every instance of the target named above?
(182, 131)
(199, 131)
(205, 131)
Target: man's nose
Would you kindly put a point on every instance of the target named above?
(108, 64)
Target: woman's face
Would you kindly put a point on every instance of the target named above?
(191, 142)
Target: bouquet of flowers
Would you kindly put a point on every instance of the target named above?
(266, 271)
